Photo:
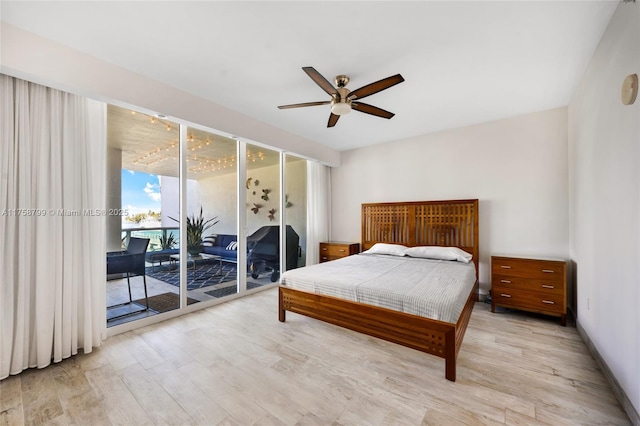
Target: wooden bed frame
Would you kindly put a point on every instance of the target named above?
(443, 223)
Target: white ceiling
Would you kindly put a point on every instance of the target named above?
(149, 144)
(463, 62)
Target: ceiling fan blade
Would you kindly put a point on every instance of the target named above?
(376, 87)
(370, 109)
(320, 80)
(305, 104)
(333, 119)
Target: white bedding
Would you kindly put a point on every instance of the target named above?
(436, 289)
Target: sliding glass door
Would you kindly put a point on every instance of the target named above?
(262, 185)
(212, 216)
(142, 197)
(295, 208)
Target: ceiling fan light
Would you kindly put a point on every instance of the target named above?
(341, 108)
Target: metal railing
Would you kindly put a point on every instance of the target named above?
(155, 235)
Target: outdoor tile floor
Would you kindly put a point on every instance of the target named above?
(118, 293)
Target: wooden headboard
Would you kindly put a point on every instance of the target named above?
(423, 223)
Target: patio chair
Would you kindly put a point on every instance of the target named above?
(130, 262)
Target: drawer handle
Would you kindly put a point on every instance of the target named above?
(341, 250)
(505, 267)
(548, 302)
(505, 295)
(505, 281)
(548, 271)
(324, 249)
(548, 286)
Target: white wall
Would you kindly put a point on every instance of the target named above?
(114, 198)
(170, 200)
(516, 167)
(219, 197)
(604, 142)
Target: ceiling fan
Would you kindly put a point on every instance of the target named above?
(344, 100)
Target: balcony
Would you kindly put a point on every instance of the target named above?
(208, 277)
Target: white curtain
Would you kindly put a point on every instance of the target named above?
(318, 208)
(52, 235)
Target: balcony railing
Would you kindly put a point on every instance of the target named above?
(155, 236)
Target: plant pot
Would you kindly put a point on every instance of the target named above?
(194, 251)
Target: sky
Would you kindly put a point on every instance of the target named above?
(140, 192)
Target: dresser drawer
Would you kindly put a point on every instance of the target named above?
(341, 250)
(336, 250)
(548, 270)
(529, 300)
(553, 286)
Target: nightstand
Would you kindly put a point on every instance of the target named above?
(332, 250)
(534, 285)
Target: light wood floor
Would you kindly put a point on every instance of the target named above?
(235, 364)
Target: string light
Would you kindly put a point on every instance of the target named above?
(197, 164)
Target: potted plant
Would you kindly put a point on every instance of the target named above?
(167, 241)
(196, 225)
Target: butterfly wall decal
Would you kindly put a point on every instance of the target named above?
(265, 194)
(256, 208)
(272, 213)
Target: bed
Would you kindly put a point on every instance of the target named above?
(427, 223)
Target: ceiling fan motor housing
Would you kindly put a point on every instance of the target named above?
(341, 80)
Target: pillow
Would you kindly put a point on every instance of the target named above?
(223, 240)
(390, 249)
(233, 245)
(441, 253)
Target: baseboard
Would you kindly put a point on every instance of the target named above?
(617, 389)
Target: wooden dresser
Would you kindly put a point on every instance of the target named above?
(332, 250)
(534, 285)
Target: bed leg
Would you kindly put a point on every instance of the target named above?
(282, 314)
(450, 369)
(450, 356)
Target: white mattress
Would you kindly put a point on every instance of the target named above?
(436, 289)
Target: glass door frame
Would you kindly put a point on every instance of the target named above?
(241, 209)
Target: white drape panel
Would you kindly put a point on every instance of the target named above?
(52, 232)
(318, 208)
